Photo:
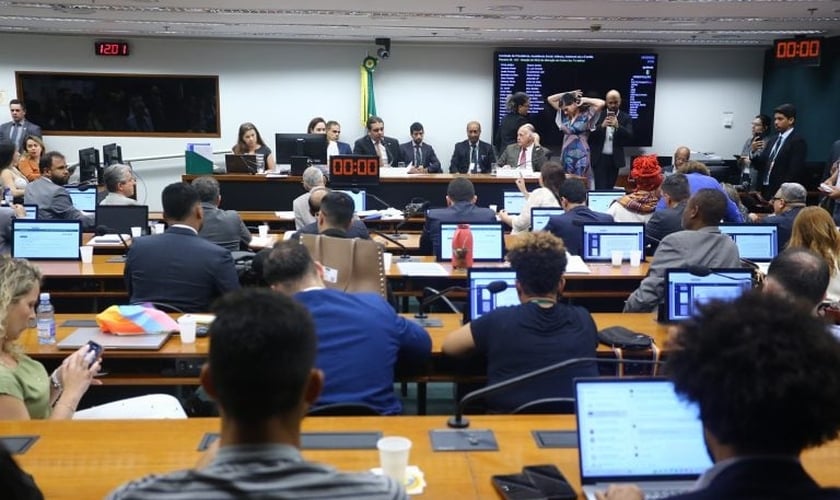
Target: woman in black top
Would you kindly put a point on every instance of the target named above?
(517, 105)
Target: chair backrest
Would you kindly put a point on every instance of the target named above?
(354, 264)
(151, 406)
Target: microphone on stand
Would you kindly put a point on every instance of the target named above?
(396, 235)
(423, 319)
(102, 230)
(405, 255)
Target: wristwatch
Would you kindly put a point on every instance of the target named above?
(55, 382)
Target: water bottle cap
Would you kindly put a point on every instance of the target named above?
(45, 296)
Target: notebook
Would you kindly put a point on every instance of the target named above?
(513, 202)
(756, 242)
(31, 211)
(241, 164)
(684, 290)
(600, 200)
(481, 301)
(488, 241)
(637, 430)
(121, 218)
(540, 216)
(601, 239)
(81, 336)
(84, 198)
(359, 198)
(46, 239)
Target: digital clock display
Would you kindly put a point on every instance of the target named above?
(111, 48)
(354, 170)
(798, 50)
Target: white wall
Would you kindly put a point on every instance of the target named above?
(280, 86)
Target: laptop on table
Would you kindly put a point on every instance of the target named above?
(481, 301)
(488, 241)
(540, 216)
(241, 164)
(84, 198)
(757, 243)
(638, 431)
(514, 201)
(46, 239)
(600, 200)
(31, 212)
(601, 239)
(359, 197)
(685, 290)
(121, 218)
(110, 341)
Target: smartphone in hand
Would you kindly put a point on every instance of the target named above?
(93, 353)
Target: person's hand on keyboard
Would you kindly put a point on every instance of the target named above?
(621, 492)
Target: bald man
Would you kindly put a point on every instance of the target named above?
(613, 131)
(473, 155)
(526, 154)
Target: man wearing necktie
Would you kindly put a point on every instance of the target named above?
(473, 155)
(375, 143)
(784, 159)
(526, 154)
(420, 156)
(19, 128)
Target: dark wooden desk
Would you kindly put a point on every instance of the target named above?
(88, 458)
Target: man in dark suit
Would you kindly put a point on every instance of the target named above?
(421, 157)
(223, 227)
(333, 211)
(787, 202)
(48, 192)
(473, 155)
(526, 153)
(17, 129)
(783, 159)
(675, 192)
(333, 133)
(376, 144)
(460, 208)
(784, 378)
(178, 267)
(575, 214)
(613, 131)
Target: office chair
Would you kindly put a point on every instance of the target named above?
(358, 263)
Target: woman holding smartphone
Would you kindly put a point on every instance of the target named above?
(26, 390)
(576, 115)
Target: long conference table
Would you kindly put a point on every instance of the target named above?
(89, 458)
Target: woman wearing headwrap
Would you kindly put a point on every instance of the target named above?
(639, 205)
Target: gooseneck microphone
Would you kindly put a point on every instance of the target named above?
(405, 255)
(396, 235)
(493, 287)
(103, 230)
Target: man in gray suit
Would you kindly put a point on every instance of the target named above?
(120, 183)
(313, 180)
(223, 227)
(49, 194)
(17, 129)
(699, 244)
(526, 153)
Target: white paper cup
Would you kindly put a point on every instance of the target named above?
(136, 231)
(187, 325)
(387, 258)
(635, 258)
(393, 456)
(263, 229)
(617, 255)
(494, 208)
(87, 254)
(158, 228)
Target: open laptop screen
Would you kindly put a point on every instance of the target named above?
(758, 242)
(359, 198)
(540, 216)
(514, 201)
(600, 201)
(488, 241)
(83, 198)
(481, 301)
(46, 239)
(31, 212)
(122, 218)
(684, 290)
(637, 429)
(600, 240)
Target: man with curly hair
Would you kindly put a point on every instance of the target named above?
(764, 372)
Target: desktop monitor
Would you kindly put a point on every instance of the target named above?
(602, 239)
(756, 242)
(488, 241)
(121, 218)
(513, 202)
(685, 289)
(84, 197)
(46, 239)
(359, 198)
(540, 216)
(90, 170)
(111, 154)
(600, 200)
(482, 301)
(312, 147)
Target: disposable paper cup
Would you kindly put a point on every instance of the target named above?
(263, 229)
(387, 257)
(393, 456)
(87, 254)
(158, 228)
(136, 231)
(494, 208)
(635, 258)
(186, 324)
(617, 255)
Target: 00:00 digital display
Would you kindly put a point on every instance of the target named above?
(798, 49)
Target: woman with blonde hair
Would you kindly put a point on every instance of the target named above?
(26, 390)
(815, 230)
(30, 158)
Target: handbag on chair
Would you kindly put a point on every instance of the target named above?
(351, 264)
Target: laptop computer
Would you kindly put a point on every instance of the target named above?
(756, 242)
(46, 239)
(600, 200)
(359, 198)
(241, 164)
(480, 300)
(109, 341)
(84, 197)
(637, 430)
(513, 202)
(121, 218)
(601, 239)
(540, 216)
(488, 241)
(684, 290)
(31, 212)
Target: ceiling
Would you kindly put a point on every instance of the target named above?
(636, 23)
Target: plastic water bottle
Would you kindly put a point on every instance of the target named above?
(45, 320)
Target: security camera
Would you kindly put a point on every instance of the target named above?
(383, 53)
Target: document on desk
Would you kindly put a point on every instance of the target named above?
(109, 239)
(422, 269)
(576, 265)
(285, 215)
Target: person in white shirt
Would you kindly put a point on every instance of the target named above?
(552, 177)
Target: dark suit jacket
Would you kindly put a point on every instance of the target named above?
(180, 269)
(344, 148)
(789, 165)
(507, 130)
(357, 230)
(364, 146)
(460, 162)
(623, 135)
(510, 156)
(785, 222)
(29, 128)
(569, 226)
(661, 224)
(461, 212)
(762, 478)
(430, 159)
(224, 228)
